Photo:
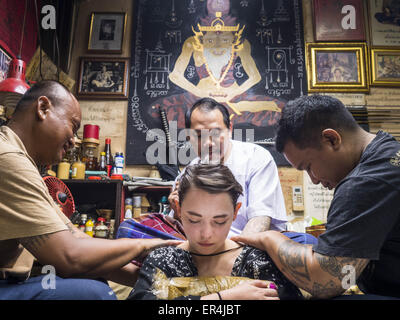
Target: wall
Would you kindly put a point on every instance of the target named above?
(111, 115)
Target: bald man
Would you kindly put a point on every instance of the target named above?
(32, 227)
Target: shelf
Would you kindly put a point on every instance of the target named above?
(98, 194)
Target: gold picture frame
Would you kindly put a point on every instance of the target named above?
(337, 67)
(385, 67)
(106, 33)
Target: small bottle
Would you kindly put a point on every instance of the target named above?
(101, 230)
(82, 224)
(78, 169)
(89, 227)
(102, 163)
(63, 169)
(109, 157)
(128, 208)
(164, 205)
(119, 162)
(111, 229)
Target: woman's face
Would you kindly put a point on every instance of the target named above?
(206, 219)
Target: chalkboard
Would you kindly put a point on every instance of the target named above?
(174, 62)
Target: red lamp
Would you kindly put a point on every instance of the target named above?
(14, 86)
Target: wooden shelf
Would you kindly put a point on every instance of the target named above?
(99, 194)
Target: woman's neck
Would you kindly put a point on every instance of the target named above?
(216, 263)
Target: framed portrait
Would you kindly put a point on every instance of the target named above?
(385, 67)
(337, 67)
(5, 60)
(384, 22)
(106, 33)
(340, 20)
(103, 78)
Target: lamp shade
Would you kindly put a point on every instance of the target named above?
(14, 86)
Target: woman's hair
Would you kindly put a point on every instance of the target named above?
(212, 178)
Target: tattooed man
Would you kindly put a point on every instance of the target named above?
(361, 244)
(32, 227)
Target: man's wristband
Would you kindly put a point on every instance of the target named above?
(219, 295)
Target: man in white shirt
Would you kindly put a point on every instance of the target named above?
(263, 206)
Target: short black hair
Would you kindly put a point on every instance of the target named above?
(303, 119)
(207, 105)
(46, 88)
(212, 178)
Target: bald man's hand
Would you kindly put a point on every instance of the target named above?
(174, 196)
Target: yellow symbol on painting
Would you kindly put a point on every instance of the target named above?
(214, 49)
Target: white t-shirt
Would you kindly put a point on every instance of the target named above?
(256, 171)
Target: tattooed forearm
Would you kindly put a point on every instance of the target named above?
(34, 243)
(335, 265)
(332, 265)
(327, 274)
(292, 255)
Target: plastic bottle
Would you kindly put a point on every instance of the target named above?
(119, 162)
(82, 224)
(128, 208)
(111, 229)
(164, 205)
(78, 169)
(63, 169)
(89, 227)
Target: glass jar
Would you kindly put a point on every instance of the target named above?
(101, 230)
(63, 169)
(90, 154)
(74, 153)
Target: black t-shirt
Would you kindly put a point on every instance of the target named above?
(363, 219)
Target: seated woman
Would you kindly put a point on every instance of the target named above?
(208, 265)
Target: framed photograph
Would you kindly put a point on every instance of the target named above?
(384, 22)
(5, 60)
(385, 67)
(106, 32)
(103, 78)
(340, 20)
(337, 67)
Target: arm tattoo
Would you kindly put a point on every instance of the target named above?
(293, 257)
(335, 267)
(34, 243)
